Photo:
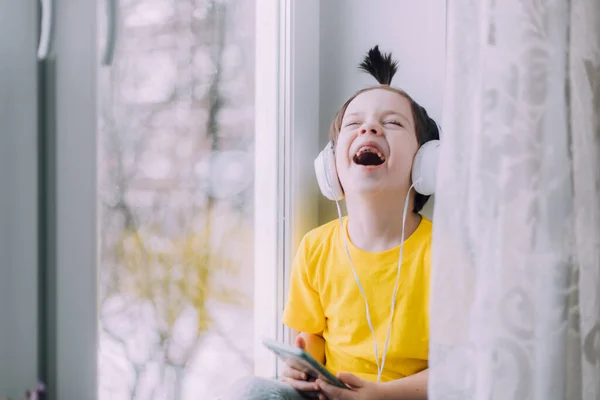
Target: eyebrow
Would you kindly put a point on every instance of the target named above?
(384, 114)
(354, 114)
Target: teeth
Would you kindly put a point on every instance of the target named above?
(369, 149)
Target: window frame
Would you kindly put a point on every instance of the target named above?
(285, 197)
(69, 205)
(266, 183)
(19, 205)
(287, 137)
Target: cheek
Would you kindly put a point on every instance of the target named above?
(405, 151)
(341, 163)
(341, 151)
(344, 139)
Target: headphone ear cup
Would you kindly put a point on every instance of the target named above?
(424, 168)
(326, 172)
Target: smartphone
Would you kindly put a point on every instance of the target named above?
(302, 361)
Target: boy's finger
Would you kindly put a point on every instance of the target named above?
(334, 392)
(302, 386)
(293, 373)
(351, 380)
(300, 343)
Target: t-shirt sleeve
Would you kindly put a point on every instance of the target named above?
(303, 310)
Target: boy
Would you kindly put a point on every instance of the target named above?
(347, 270)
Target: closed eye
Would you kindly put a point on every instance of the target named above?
(394, 122)
(352, 123)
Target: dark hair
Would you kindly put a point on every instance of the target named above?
(383, 68)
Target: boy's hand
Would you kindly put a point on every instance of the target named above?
(298, 379)
(361, 389)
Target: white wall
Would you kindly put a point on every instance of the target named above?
(414, 31)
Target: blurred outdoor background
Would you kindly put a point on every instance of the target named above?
(176, 136)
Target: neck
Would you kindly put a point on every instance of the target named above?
(375, 223)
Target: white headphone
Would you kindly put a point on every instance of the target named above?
(423, 181)
(423, 171)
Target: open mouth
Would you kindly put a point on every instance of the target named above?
(368, 156)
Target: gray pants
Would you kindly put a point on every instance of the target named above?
(254, 388)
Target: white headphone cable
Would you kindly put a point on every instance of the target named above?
(362, 292)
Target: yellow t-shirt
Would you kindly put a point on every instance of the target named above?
(324, 298)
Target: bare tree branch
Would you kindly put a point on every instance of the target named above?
(132, 262)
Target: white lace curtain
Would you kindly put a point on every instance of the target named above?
(515, 307)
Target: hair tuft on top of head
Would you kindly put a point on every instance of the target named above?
(379, 65)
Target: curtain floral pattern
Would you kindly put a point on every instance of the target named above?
(515, 307)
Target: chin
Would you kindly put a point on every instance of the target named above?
(370, 188)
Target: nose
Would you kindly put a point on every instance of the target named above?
(370, 128)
